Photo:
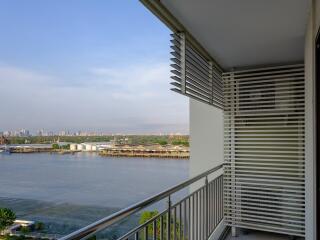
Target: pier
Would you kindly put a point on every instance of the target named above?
(148, 151)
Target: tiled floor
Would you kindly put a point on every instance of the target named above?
(257, 235)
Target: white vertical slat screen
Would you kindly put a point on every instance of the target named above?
(193, 75)
(264, 115)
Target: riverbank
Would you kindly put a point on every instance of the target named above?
(145, 151)
(42, 150)
(151, 151)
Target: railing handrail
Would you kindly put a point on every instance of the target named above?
(115, 217)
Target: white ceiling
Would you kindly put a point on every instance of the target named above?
(240, 33)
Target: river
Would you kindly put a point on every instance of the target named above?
(71, 190)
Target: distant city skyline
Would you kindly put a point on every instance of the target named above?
(96, 66)
(23, 132)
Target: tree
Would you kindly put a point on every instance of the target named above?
(7, 217)
(55, 146)
(39, 226)
(147, 215)
(162, 142)
(67, 146)
(25, 229)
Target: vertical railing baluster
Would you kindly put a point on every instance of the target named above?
(180, 220)
(169, 219)
(185, 221)
(212, 205)
(136, 236)
(174, 222)
(189, 217)
(205, 220)
(193, 217)
(161, 228)
(155, 229)
(201, 224)
(200, 213)
(197, 215)
(203, 214)
(217, 202)
(222, 182)
(209, 209)
(146, 232)
(206, 207)
(219, 197)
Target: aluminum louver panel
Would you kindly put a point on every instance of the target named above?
(194, 76)
(264, 149)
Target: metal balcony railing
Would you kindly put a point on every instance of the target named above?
(195, 216)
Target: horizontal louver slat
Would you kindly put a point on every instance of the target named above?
(264, 181)
(195, 76)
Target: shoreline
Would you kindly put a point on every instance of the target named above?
(119, 151)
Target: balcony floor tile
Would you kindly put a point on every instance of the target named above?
(259, 235)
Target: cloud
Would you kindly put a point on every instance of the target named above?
(132, 82)
(133, 99)
(24, 77)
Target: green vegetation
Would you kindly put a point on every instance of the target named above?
(57, 146)
(120, 139)
(94, 237)
(7, 217)
(162, 142)
(66, 147)
(8, 237)
(181, 142)
(39, 226)
(24, 229)
(147, 215)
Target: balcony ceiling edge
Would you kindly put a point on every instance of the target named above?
(160, 11)
(244, 33)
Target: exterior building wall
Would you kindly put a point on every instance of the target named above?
(206, 144)
(206, 137)
(310, 147)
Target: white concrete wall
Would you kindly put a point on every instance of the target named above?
(310, 147)
(206, 137)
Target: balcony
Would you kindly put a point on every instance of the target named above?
(198, 215)
(266, 189)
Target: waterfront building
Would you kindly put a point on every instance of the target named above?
(87, 147)
(73, 147)
(80, 147)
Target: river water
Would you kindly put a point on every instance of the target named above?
(71, 190)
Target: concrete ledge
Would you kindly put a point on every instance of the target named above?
(216, 235)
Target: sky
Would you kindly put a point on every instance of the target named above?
(89, 65)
